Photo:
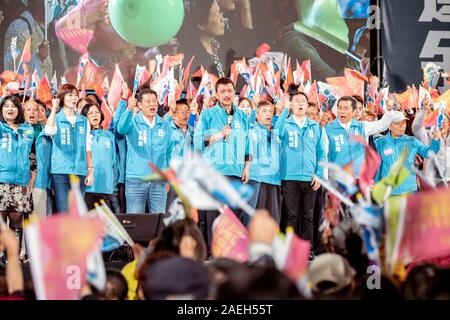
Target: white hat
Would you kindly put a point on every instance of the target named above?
(332, 268)
(398, 116)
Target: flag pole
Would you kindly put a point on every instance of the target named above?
(46, 20)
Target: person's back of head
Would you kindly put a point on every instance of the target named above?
(418, 282)
(347, 241)
(257, 283)
(172, 236)
(369, 288)
(116, 286)
(439, 288)
(175, 278)
(219, 271)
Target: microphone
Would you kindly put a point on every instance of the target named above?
(230, 120)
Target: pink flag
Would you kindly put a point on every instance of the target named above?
(263, 48)
(26, 53)
(306, 67)
(297, 258)
(369, 167)
(59, 247)
(426, 230)
(115, 90)
(191, 91)
(230, 238)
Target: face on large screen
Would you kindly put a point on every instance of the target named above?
(216, 32)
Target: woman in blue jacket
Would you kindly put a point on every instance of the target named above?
(71, 147)
(390, 147)
(103, 156)
(16, 144)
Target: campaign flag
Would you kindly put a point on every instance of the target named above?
(291, 254)
(230, 237)
(426, 230)
(369, 167)
(394, 215)
(115, 234)
(59, 247)
(137, 77)
(206, 188)
(26, 52)
(44, 92)
(306, 67)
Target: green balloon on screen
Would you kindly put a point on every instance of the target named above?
(146, 23)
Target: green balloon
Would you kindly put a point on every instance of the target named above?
(146, 23)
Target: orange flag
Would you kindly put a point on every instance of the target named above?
(406, 99)
(306, 67)
(312, 94)
(26, 53)
(355, 82)
(445, 97)
(44, 92)
(339, 86)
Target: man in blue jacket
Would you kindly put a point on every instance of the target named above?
(302, 150)
(221, 135)
(149, 139)
(390, 146)
(182, 138)
(341, 148)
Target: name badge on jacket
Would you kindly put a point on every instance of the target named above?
(388, 152)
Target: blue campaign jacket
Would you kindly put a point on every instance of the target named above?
(390, 148)
(105, 162)
(43, 157)
(265, 151)
(342, 150)
(302, 149)
(15, 153)
(145, 144)
(226, 156)
(121, 142)
(183, 141)
(69, 146)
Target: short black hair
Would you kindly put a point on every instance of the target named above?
(118, 286)
(350, 99)
(293, 90)
(182, 101)
(143, 91)
(358, 99)
(16, 102)
(224, 81)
